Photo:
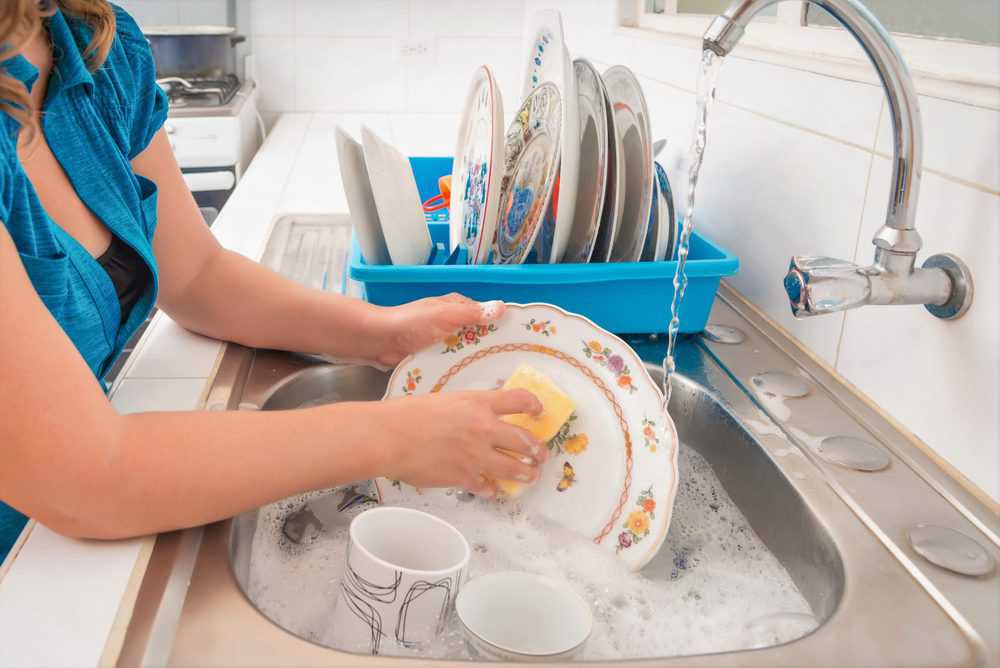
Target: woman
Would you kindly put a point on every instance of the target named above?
(97, 227)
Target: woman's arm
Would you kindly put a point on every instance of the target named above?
(222, 294)
(68, 459)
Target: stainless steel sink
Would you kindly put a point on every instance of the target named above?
(840, 533)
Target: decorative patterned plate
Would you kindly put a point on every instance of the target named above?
(398, 202)
(668, 216)
(532, 162)
(614, 198)
(593, 176)
(632, 123)
(613, 471)
(549, 62)
(360, 201)
(478, 168)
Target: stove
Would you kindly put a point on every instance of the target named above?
(214, 131)
(200, 92)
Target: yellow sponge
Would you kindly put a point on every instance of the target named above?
(557, 408)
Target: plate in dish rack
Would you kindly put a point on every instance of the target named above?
(531, 148)
(632, 124)
(478, 168)
(397, 201)
(548, 61)
(612, 474)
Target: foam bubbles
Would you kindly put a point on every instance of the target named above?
(714, 586)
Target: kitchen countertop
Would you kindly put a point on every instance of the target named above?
(52, 584)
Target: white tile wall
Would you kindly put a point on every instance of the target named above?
(176, 12)
(794, 166)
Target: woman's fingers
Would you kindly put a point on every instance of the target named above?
(483, 486)
(504, 467)
(458, 310)
(510, 402)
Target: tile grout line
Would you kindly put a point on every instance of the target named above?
(861, 226)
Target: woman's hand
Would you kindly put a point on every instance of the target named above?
(403, 330)
(453, 440)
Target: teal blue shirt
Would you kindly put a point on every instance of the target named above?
(95, 124)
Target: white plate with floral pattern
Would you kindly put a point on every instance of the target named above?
(612, 474)
(479, 163)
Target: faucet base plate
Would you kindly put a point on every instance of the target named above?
(962, 288)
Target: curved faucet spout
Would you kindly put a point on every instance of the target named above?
(897, 241)
(907, 133)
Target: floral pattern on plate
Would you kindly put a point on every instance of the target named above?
(611, 361)
(637, 524)
(471, 335)
(603, 478)
(543, 327)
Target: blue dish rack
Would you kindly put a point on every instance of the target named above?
(624, 297)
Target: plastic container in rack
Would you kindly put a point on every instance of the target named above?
(624, 297)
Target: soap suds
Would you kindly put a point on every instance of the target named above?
(714, 586)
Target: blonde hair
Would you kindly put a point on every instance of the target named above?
(20, 21)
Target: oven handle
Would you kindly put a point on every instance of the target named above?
(200, 182)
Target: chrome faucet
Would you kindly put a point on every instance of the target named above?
(818, 285)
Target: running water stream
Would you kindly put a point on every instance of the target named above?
(707, 76)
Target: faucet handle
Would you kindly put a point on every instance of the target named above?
(819, 285)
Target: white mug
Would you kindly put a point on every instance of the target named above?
(404, 569)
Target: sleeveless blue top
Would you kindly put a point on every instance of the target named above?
(95, 124)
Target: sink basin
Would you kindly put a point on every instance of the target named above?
(270, 547)
(840, 534)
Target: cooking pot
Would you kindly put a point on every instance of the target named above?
(194, 51)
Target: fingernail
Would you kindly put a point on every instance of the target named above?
(527, 461)
(490, 309)
(523, 477)
(536, 450)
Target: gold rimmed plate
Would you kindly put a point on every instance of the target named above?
(612, 473)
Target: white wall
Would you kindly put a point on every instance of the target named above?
(798, 163)
(176, 12)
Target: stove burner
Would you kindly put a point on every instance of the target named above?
(200, 92)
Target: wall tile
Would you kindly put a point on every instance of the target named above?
(441, 87)
(348, 74)
(846, 110)
(274, 61)
(959, 140)
(268, 17)
(152, 12)
(481, 18)
(941, 379)
(202, 12)
(769, 192)
(351, 18)
(426, 134)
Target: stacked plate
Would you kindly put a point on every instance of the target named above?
(573, 178)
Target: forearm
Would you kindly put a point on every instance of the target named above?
(236, 299)
(166, 471)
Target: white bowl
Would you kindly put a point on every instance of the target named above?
(523, 617)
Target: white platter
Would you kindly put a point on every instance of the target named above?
(360, 201)
(397, 200)
(479, 163)
(632, 124)
(612, 475)
(531, 149)
(548, 61)
(592, 184)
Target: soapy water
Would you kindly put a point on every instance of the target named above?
(713, 587)
(707, 77)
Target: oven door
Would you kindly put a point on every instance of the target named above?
(211, 188)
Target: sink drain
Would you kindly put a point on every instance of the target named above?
(853, 453)
(723, 334)
(951, 550)
(780, 384)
